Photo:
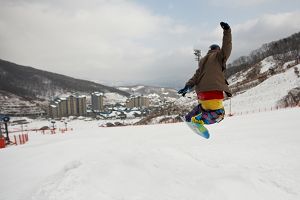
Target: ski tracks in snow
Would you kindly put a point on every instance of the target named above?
(69, 183)
(226, 177)
(58, 185)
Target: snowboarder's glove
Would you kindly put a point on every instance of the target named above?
(184, 90)
(224, 26)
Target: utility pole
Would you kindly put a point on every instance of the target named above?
(197, 53)
(230, 114)
(0, 129)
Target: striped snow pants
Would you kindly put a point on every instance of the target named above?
(205, 116)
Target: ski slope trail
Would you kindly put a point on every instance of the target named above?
(247, 157)
(264, 96)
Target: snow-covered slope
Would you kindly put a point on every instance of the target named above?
(267, 64)
(260, 69)
(248, 157)
(266, 94)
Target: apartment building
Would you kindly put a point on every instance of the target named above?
(53, 111)
(63, 107)
(73, 105)
(97, 101)
(81, 105)
(137, 102)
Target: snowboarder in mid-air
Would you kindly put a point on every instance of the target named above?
(210, 83)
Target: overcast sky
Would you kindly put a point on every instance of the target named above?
(125, 42)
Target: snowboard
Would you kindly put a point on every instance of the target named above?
(197, 128)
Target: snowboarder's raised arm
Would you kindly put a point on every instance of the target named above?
(227, 41)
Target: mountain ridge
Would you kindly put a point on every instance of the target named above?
(22, 88)
(12, 80)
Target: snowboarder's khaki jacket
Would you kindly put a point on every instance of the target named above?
(210, 73)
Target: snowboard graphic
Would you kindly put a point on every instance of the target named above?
(197, 128)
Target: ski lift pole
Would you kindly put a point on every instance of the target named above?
(197, 53)
(7, 137)
(53, 123)
(230, 108)
(6, 120)
(0, 129)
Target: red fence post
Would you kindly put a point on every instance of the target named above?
(20, 139)
(15, 138)
(24, 139)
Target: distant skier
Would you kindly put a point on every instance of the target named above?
(210, 83)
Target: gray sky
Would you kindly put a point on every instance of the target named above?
(120, 42)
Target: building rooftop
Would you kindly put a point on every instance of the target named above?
(97, 93)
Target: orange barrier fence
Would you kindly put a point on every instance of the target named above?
(17, 140)
(54, 131)
(21, 139)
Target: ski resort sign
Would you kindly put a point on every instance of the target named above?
(4, 118)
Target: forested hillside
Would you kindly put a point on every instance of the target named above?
(282, 50)
(31, 83)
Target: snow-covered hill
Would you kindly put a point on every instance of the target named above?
(16, 105)
(247, 157)
(267, 94)
(150, 91)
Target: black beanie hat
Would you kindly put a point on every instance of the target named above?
(214, 46)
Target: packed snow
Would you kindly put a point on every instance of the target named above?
(252, 156)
